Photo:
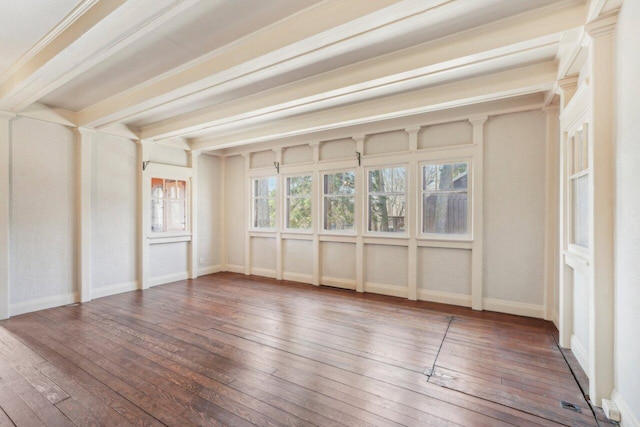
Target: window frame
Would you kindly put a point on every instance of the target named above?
(407, 202)
(322, 195)
(468, 236)
(571, 177)
(252, 181)
(286, 197)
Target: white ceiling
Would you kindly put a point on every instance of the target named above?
(204, 69)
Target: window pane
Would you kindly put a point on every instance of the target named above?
(460, 176)
(157, 215)
(581, 211)
(392, 180)
(299, 186)
(176, 215)
(264, 213)
(264, 187)
(386, 213)
(444, 213)
(181, 187)
(339, 213)
(299, 213)
(339, 183)
(429, 177)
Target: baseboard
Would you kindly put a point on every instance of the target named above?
(120, 288)
(580, 353)
(169, 278)
(233, 268)
(337, 282)
(203, 271)
(298, 277)
(264, 272)
(444, 297)
(513, 307)
(555, 319)
(628, 418)
(385, 289)
(43, 303)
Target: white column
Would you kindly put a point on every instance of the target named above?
(222, 203)
(279, 216)
(248, 197)
(193, 213)
(601, 146)
(83, 142)
(317, 218)
(477, 213)
(360, 216)
(413, 201)
(144, 215)
(552, 241)
(5, 199)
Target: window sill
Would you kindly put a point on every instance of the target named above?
(160, 238)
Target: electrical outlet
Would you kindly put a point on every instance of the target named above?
(201, 260)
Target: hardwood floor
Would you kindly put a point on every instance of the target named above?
(230, 350)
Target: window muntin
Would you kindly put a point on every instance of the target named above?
(298, 202)
(168, 205)
(445, 198)
(264, 203)
(386, 201)
(339, 201)
(579, 188)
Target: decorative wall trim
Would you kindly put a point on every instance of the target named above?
(580, 353)
(203, 271)
(444, 297)
(338, 282)
(43, 303)
(264, 272)
(385, 289)
(298, 277)
(119, 288)
(233, 268)
(513, 307)
(169, 278)
(628, 418)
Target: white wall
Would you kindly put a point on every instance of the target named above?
(235, 215)
(514, 207)
(209, 186)
(42, 215)
(113, 212)
(627, 238)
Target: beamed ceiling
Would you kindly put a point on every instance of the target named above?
(215, 74)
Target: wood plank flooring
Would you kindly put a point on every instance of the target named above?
(230, 350)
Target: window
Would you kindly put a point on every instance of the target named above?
(298, 203)
(339, 201)
(579, 187)
(445, 198)
(168, 205)
(387, 199)
(264, 202)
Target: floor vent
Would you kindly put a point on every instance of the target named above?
(570, 406)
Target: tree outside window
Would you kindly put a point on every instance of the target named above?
(339, 201)
(264, 202)
(298, 202)
(387, 199)
(445, 198)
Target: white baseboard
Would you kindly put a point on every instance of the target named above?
(628, 418)
(43, 303)
(233, 268)
(555, 319)
(169, 278)
(580, 353)
(203, 271)
(298, 277)
(264, 272)
(337, 282)
(385, 289)
(444, 297)
(513, 307)
(119, 288)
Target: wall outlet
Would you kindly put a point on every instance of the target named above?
(611, 410)
(201, 260)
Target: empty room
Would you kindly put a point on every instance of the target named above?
(319, 213)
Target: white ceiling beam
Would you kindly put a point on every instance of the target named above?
(519, 34)
(322, 31)
(521, 81)
(96, 33)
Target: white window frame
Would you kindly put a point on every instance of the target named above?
(286, 197)
(468, 236)
(253, 179)
(571, 177)
(321, 225)
(407, 202)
